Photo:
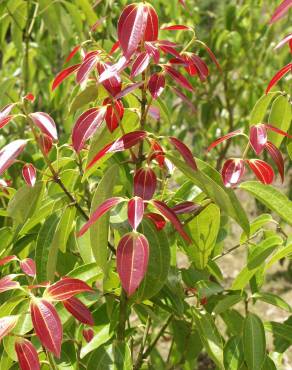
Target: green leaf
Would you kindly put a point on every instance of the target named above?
(279, 329)
(43, 245)
(227, 302)
(273, 299)
(271, 198)
(209, 180)
(207, 288)
(203, 230)
(259, 111)
(254, 342)
(158, 264)
(89, 94)
(233, 353)
(88, 273)
(100, 229)
(256, 225)
(281, 253)
(280, 117)
(25, 201)
(102, 336)
(210, 337)
(269, 364)
(113, 357)
(6, 236)
(64, 228)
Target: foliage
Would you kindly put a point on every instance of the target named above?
(105, 207)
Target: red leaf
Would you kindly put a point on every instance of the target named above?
(185, 99)
(185, 207)
(78, 310)
(101, 210)
(113, 84)
(145, 183)
(28, 267)
(172, 217)
(282, 72)
(131, 27)
(157, 153)
(212, 55)
(114, 113)
(64, 74)
(46, 143)
(176, 27)
(115, 47)
(200, 65)
(4, 114)
(154, 112)
(140, 64)
(135, 212)
(232, 172)
(7, 324)
(27, 355)
(178, 77)
(170, 50)
(6, 120)
(89, 63)
(65, 289)
(182, 2)
(277, 158)
(72, 53)
(157, 220)
(113, 70)
(7, 259)
(156, 85)
(258, 138)
(281, 10)
(88, 334)
(223, 138)
(128, 90)
(45, 123)
(132, 261)
(47, 325)
(277, 130)
(29, 174)
(125, 142)
(86, 125)
(29, 97)
(262, 170)
(284, 41)
(184, 151)
(153, 51)
(152, 25)
(9, 152)
(7, 283)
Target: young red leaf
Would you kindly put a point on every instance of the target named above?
(277, 158)
(28, 267)
(176, 27)
(223, 138)
(182, 2)
(45, 123)
(6, 120)
(86, 125)
(47, 325)
(281, 10)
(27, 355)
(152, 25)
(145, 183)
(258, 138)
(157, 153)
(88, 334)
(211, 54)
(185, 207)
(7, 259)
(113, 84)
(64, 74)
(78, 310)
(262, 170)
(184, 151)
(114, 113)
(232, 172)
(277, 130)
(168, 49)
(178, 77)
(114, 70)
(29, 174)
(135, 212)
(172, 217)
(65, 289)
(284, 41)
(115, 47)
(140, 64)
(152, 51)
(132, 261)
(156, 85)
(89, 63)
(72, 53)
(131, 27)
(7, 324)
(9, 153)
(157, 220)
(7, 283)
(125, 142)
(29, 97)
(128, 89)
(201, 66)
(46, 143)
(185, 99)
(281, 73)
(5, 111)
(101, 210)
